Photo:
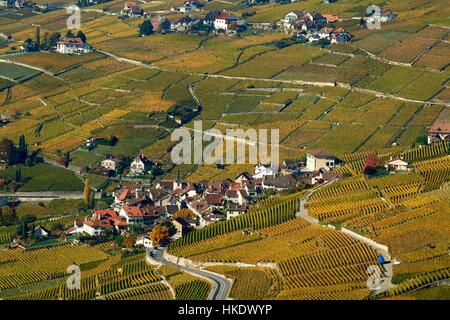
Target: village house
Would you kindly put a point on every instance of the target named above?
(396, 164)
(440, 129)
(160, 24)
(319, 159)
(41, 233)
(225, 20)
(72, 46)
(244, 176)
(131, 10)
(214, 200)
(140, 165)
(160, 197)
(183, 24)
(6, 3)
(330, 18)
(182, 227)
(139, 215)
(320, 176)
(290, 166)
(303, 20)
(339, 35)
(124, 193)
(279, 183)
(110, 164)
(387, 16)
(211, 16)
(235, 210)
(144, 241)
(262, 170)
(98, 223)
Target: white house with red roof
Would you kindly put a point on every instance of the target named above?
(99, 222)
(224, 20)
(139, 215)
(72, 46)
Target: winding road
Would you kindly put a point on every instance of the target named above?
(221, 286)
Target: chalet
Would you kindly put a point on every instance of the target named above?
(235, 210)
(440, 129)
(72, 46)
(160, 24)
(262, 170)
(279, 183)
(224, 21)
(140, 165)
(318, 159)
(398, 164)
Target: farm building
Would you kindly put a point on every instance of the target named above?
(72, 46)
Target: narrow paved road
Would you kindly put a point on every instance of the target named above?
(220, 286)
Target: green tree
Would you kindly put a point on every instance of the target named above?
(87, 194)
(44, 43)
(146, 28)
(82, 36)
(28, 45)
(67, 159)
(23, 149)
(37, 37)
(18, 175)
(7, 216)
(53, 38)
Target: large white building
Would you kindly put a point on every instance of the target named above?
(72, 46)
(319, 159)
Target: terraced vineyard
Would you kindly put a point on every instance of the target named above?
(102, 277)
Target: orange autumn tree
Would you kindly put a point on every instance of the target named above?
(184, 213)
(159, 234)
(129, 242)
